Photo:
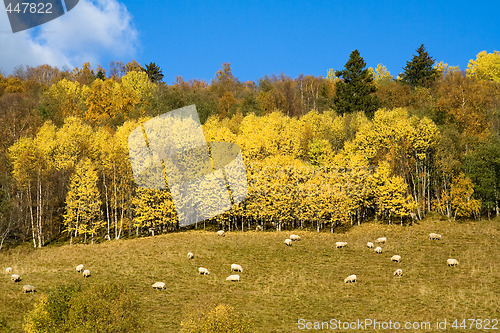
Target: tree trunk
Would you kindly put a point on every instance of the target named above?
(39, 211)
(115, 203)
(118, 232)
(32, 217)
(428, 196)
(107, 204)
(5, 234)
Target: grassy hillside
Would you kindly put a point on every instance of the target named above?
(280, 284)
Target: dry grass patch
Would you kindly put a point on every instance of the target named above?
(281, 284)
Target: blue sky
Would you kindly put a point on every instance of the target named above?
(193, 38)
(263, 37)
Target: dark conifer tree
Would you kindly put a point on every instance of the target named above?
(419, 72)
(355, 91)
(154, 72)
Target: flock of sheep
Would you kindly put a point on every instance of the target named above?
(205, 271)
(292, 238)
(31, 289)
(237, 268)
(16, 278)
(378, 250)
(81, 269)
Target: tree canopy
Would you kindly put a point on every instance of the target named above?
(319, 152)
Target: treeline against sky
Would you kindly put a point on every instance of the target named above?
(322, 152)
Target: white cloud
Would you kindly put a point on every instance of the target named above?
(89, 32)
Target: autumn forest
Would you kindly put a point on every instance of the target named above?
(323, 153)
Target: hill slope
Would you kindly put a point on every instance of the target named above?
(279, 284)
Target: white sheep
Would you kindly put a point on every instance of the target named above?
(233, 278)
(15, 277)
(203, 271)
(452, 262)
(86, 273)
(381, 240)
(8, 270)
(396, 258)
(370, 245)
(434, 236)
(288, 242)
(28, 289)
(236, 268)
(350, 278)
(79, 268)
(398, 272)
(378, 250)
(159, 285)
(295, 237)
(258, 228)
(340, 244)
(190, 255)
(221, 233)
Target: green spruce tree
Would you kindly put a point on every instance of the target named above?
(154, 72)
(354, 92)
(419, 72)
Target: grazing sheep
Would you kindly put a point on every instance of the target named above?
(203, 271)
(233, 278)
(381, 240)
(15, 278)
(86, 273)
(258, 228)
(159, 285)
(340, 244)
(370, 245)
(452, 262)
(396, 258)
(434, 236)
(221, 233)
(398, 272)
(8, 270)
(190, 255)
(79, 268)
(295, 237)
(350, 278)
(378, 250)
(236, 268)
(288, 242)
(28, 289)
